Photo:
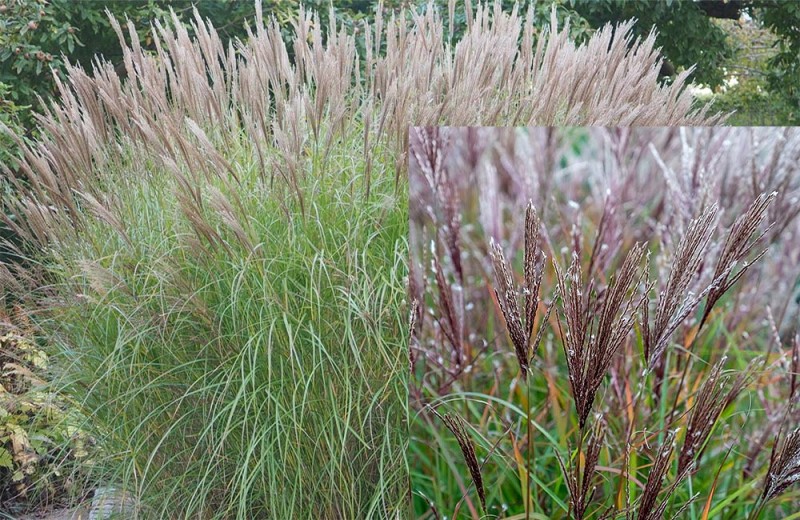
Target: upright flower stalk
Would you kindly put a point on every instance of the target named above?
(520, 330)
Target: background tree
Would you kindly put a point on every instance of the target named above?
(689, 33)
(783, 18)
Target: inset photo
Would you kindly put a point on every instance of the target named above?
(604, 322)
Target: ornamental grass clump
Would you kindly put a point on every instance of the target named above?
(216, 240)
(665, 327)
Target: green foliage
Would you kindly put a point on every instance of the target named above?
(689, 36)
(10, 114)
(41, 449)
(754, 105)
(686, 35)
(783, 18)
(751, 92)
(33, 34)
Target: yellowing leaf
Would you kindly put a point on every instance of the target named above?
(5, 459)
(523, 475)
(19, 439)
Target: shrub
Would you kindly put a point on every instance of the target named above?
(42, 451)
(9, 155)
(223, 240)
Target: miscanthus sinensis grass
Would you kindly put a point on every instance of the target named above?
(610, 318)
(216, 242)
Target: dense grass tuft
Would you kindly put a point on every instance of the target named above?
(217, 242)
(225, 366)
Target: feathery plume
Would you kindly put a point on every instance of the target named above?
(457, 426)
(449, 321)
(521, 331)
(650, 508)
(738, 245)
(711, 400)
(784, 466)
(589, 356)
(794, 369)
(675, 302)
